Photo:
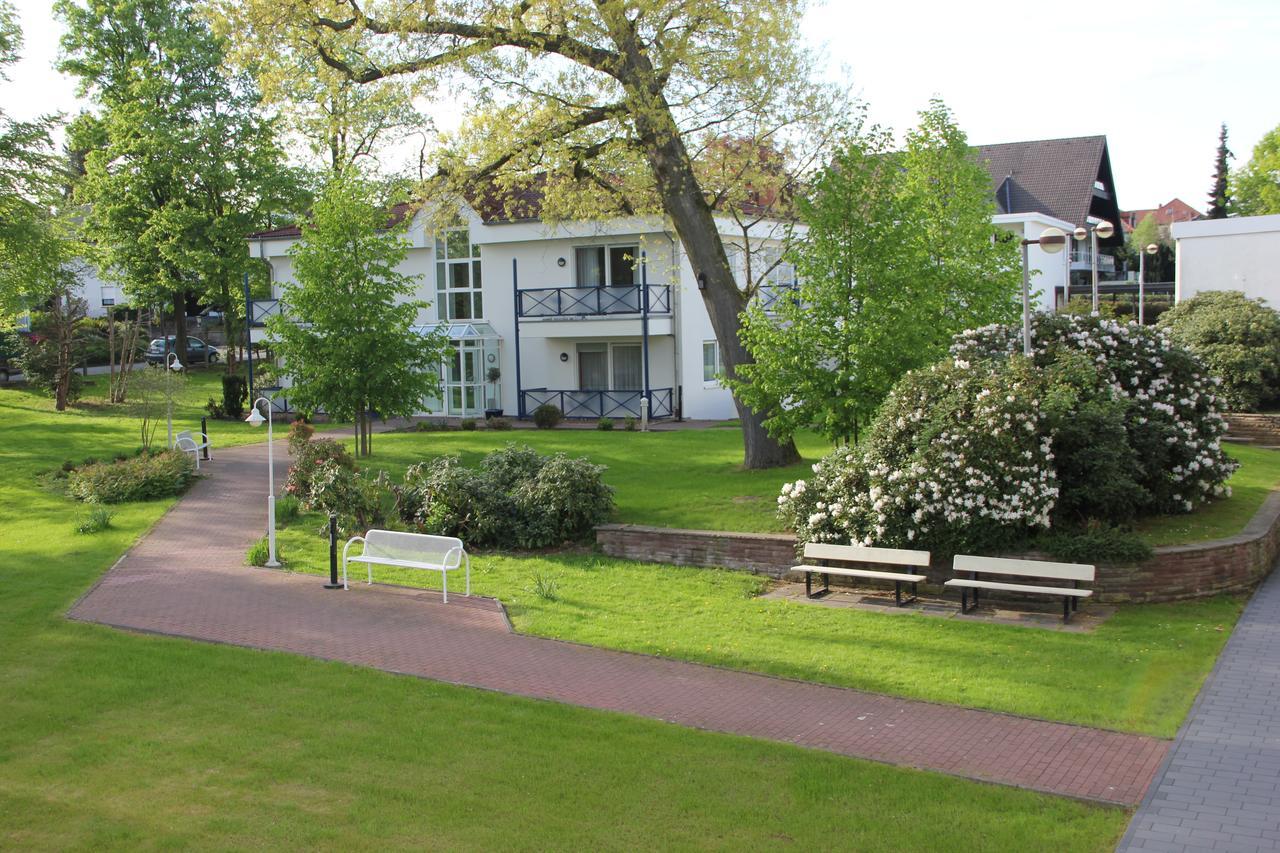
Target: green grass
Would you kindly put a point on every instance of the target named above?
(119, 741)
(1137, 672)
(682, 478)
(1258, 475)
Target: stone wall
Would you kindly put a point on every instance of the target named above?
(1260, 429)
(1174, 573)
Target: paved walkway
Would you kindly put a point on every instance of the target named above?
(187, 579)
(1220, 786)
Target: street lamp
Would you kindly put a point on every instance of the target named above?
(256, 419)
(1149, 249)
(170, 363)
(1104, 230)
(1051, 241)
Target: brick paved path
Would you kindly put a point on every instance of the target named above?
(187, 579)
(1220, 787)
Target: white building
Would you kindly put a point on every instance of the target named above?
(1242, 253)
(99, 295)
(588, 316)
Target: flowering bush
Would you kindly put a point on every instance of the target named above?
(137, 478)
(308, 456)
(1171, 404)
(1238, 338)
(989, 449)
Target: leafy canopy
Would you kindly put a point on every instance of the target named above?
(1257, 185)
(347, 343)
(900, 254)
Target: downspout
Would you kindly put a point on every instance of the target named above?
(644, 327)
(515, 295)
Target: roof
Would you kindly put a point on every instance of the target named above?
(1233, 226)
(1054, 177)
(1173, 210)
(395, 216)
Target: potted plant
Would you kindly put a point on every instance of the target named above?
(492, 375)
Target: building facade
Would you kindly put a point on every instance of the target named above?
(1241, 253)
(591, 317)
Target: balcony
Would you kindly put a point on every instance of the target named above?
(261, 309)
(769, 295)
(1081, 259)
(598, 404)
(561, 302)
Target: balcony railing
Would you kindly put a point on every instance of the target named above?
(593, 301)
(769, 295)
(261, 309)
(1081, 259)
(598, 404)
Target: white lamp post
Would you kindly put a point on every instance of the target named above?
(1051, 240)
(256, 419)
(1149, 249)
(1104, 230)
(171, 362)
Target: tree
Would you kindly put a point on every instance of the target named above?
(347, 344)
(1219, 193)
(1257, 186)
(180, 165)
(1158, 267)
(30, 179)
(603, 102)
(900, 255)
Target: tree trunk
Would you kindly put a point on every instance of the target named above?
(683, 201)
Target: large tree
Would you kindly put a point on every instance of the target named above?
(347, 343)
(900, 254)
(1257, 186)
(604, 102)
(1220, 191)
(179, 163)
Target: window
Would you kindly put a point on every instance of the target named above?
(593, 367)
(605, 266)
(458, 282)
(108, 301)
(711, 366)
(628, 373)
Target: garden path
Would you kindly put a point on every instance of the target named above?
(187, 578)
(1219, 788)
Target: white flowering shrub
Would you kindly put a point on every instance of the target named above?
(989, 449)
(1171, 404)
(958, 458)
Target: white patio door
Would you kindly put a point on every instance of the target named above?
(628, 370)
(465, 386)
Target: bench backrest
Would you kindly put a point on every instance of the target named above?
(1025, 568)
(862, 554)
(414, 547)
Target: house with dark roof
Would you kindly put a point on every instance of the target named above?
(1060, 183)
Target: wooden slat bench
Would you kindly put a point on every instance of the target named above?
(820, 555)
(975, 567)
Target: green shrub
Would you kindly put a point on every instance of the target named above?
(260, 552)
(630, 423)
(215, 410)
(300, 432)
(500, 424)
(547, 416)
(360, 502)
(1096, 543)
(97, 520)
(1237, 338)
(515, 498)
(235, 394)
(287, 509)
(307, 458)
(467, 425)
(157, 475)
(39, 364)
(605, 424)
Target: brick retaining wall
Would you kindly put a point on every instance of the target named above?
(1261, 429)
(1231, 565)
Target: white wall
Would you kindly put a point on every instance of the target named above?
(1242, 253)
(1048, 271)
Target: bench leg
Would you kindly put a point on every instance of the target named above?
(1066, 609)
(444, 586)
(897, 593)
(964, 599)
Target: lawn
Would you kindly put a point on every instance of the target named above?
(1138, 672)
(694, 478)
(120, 741)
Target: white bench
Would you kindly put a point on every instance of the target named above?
(1037, 569)
(187, 443)
(823, 554)
(440, 554)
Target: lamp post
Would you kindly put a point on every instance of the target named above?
(1051, 240)
(171, 362)
(1149, 249)
(256, 419)
(1104, 230)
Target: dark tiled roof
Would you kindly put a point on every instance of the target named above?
(395, 216)
(1052, 176)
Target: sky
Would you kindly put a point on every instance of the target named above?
(1156, 78)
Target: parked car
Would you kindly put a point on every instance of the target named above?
(198, 352)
